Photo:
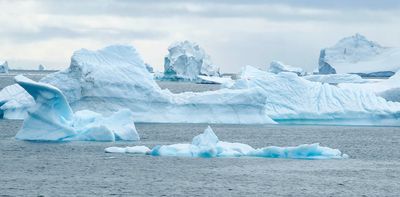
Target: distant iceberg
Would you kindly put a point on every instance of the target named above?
(3, 66)
(41, 67)
(15, 102)
(207, 145)
(51, 119)
(186, 61)
(116, 77)
(356, 54)
(277, 67)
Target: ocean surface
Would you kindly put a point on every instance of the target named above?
(84, 169)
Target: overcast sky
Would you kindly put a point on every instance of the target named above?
(234, 33)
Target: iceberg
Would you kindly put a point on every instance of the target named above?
(41, 67)
(186, 61)
(358, 55)
(207, 145)
(52, 119)
(290, 97)
(387, 88)
(116, 77)
(277, 67)
(226, 81)
(3, 66)
(336, 78)
(15, 102)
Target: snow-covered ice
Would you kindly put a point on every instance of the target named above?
(336, 78)
(357, 54)
(116, 77)
(290, 97)
(208, 145)
(51, 119)
(186, 61)
(14, 102)
(386, 88)
(277, 67)
(3, 66)
(226, 81)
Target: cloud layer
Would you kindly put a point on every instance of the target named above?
(233, 32)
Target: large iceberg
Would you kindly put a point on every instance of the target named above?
(116, 77)
(186, 61)
(51, 118)
(14, 102)
(290, 97)
(208, 145)
(356, 54)
(277, 67)
(3, 66)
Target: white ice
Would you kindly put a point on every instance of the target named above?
(51, 118)
(187, 60)
(277, 67)
(116, 77)
(336, 78)
(386, 88)
(14, 102)
(357, 54)
(208, 145)
(289, 97)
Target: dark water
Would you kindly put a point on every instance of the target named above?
(83, 169)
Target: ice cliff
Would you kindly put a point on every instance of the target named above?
(208, 145)
(357, 54)
(186, 61)
(51, 118)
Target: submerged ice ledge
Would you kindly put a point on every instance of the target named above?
(207, 145)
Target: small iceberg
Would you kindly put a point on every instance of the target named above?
(207, 145)
(14, 102)
(51, 118)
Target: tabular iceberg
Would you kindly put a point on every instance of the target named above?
(116, 77)
(51, 119)
(358, 55)
(3, 66)
(277, 67)
(187, 60)
(290, 97)
(208, 145)
(14, 102)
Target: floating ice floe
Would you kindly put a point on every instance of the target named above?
(3, 66)
(186, 61)
(208, 145)
(51, 118)
(116, 77)
(336, 78)
(289, 97)
(356, 54)
(15, 102)
(277, 67)
(226, 81)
